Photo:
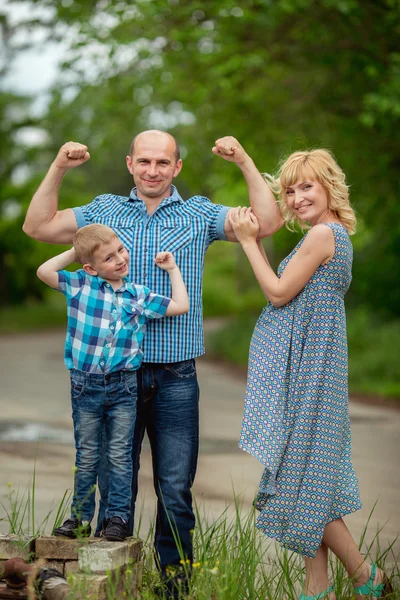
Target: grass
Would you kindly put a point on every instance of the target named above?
(34, 316)
(232, 560)
(373, 364)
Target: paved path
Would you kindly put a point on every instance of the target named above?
(34, 400)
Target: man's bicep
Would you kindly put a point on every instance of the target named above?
(228, 229)
(61, 229)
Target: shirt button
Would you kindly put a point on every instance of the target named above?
(102, 362)
(108, 345)
(111, 326)
(114, 310)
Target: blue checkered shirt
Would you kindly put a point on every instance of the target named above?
(185, 228)
(106, 327)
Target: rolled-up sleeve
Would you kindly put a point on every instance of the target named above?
(214, 215)
(95, 211)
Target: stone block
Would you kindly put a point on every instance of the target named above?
(135, 546)
(103, 557)
(93, 587)
(59, 548)
(15, 545)
(116, 584)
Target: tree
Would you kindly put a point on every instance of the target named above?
(279, 75)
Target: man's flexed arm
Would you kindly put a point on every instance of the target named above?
(44, 221)
(262, 200)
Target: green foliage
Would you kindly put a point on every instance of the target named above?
(278, 75)
(373, 366)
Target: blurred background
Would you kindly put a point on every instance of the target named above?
(280, 75)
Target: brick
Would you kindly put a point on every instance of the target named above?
(15, 545)
(71, 567)
(56, 564)
(59, 548)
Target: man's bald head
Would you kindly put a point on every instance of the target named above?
(155, 132)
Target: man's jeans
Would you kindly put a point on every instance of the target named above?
(103, 402)
(168, 409)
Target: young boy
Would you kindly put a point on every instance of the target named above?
(107, 317)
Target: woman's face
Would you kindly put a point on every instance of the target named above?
(308, 200)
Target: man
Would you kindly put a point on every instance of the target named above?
(155, 218)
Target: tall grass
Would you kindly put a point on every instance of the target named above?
(19, 509)
(232, 560)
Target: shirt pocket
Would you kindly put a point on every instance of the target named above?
(130, 317)
(127, 231)
(175, 234)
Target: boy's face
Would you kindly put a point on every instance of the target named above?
(110, 261)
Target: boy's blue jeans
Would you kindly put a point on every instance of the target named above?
(168, 409)
(103, 402)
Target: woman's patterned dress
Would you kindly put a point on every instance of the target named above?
(296, 418)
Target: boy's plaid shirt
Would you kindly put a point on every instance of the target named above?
(184, 227)
(106, 327)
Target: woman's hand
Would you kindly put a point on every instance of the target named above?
(244, 224)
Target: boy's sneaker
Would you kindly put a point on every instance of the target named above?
(116, 530)
(73, 528)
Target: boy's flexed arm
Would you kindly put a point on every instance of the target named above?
(44, 222)
(48, 271)
(180, 301)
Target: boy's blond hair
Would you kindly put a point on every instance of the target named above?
(88, 240)
(320, 165)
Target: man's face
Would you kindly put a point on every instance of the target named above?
(153, 165)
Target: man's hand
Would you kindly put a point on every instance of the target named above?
(71, 155)
(229, 149)
(165, 260)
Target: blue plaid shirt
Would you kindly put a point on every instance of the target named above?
(106, 327)
(185, 228)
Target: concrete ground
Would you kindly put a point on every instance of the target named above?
(34, 404)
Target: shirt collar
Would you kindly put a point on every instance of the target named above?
(174, 197)
(126, 285)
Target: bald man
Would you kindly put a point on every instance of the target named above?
(151, 219)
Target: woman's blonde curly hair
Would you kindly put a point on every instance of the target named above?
(313, 165)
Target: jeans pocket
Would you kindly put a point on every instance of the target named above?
(183, 369)
(131, 383)
(77, 387)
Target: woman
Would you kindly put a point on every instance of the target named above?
(296, 419)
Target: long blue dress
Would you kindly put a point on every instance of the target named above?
(296, 417)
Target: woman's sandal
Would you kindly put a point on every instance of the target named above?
(376, 590)
(320, 596)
